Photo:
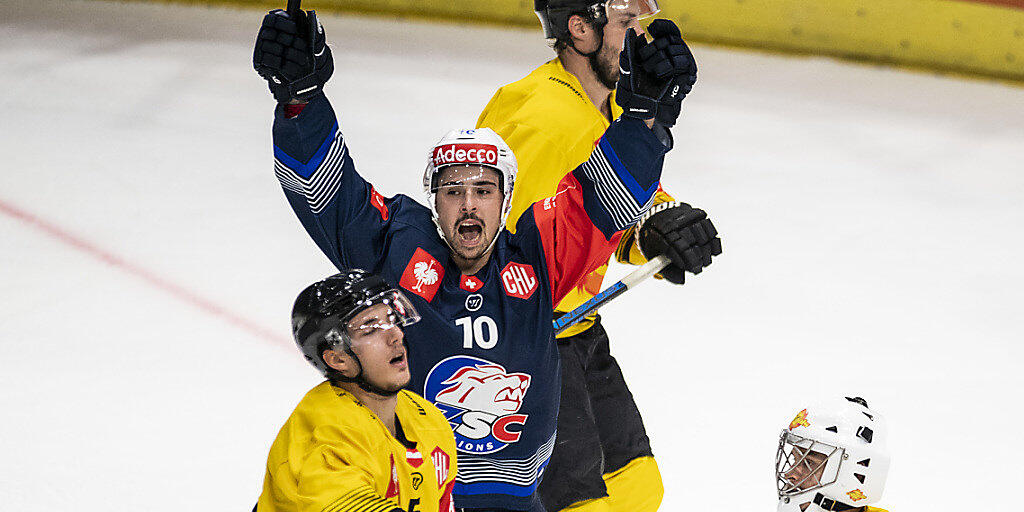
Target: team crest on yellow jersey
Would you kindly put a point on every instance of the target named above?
(856, 495)
(800, 420)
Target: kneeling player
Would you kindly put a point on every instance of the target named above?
(358, 442)
(832, 457)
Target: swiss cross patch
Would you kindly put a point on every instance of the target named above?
(377, 201)
(393, 484)
(422, 275)
(413, 457)
(441, 462)
(519, 280)
(470, 283)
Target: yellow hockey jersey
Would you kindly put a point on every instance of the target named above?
(334, 454)
(552, 126)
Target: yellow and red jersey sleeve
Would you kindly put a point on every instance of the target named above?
(552, 126)
(580, 225)
(573, 246)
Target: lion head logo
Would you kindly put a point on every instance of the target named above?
(485, 387)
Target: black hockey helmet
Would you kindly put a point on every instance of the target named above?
(554, 14)
(322, 310)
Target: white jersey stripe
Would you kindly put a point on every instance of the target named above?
(323, 184)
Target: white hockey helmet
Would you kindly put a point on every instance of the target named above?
(474, 147)
(832, 456)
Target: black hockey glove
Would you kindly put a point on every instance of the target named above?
(292, 55)
(655, 76)
(682, 233)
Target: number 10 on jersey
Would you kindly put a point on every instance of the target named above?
(481, 331)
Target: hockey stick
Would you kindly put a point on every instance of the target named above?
(293, 9)
(648, 269)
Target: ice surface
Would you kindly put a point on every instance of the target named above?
(871, 219)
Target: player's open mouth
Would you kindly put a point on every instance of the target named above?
(470, 232)
(398, 361)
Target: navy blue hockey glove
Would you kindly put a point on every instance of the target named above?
(681, 232)
(655, 76)
(292, 54)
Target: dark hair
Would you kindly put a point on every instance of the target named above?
(555, 15)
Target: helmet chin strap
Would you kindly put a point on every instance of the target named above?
(591, 57)
(821, 503)
(359, 380)
(600, 45)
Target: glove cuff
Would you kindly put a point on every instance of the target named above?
(635, 105)
(668, 112)
(658, 208)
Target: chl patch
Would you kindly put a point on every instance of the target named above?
(377, 201)
(422, 275)
(519, 280)
(417, 479)
(441, 462)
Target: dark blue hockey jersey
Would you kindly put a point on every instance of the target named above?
(484, 351)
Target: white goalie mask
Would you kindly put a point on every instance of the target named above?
(481, 148)
(832, 456)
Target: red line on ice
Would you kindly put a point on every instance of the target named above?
(152, 278)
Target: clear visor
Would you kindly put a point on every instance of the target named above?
(462, 176)
(639, 9)
(801, 464)
(612, 11)
(376, 315)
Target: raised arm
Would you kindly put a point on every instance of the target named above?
(342, 213)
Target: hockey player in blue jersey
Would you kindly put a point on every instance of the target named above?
(484, 349)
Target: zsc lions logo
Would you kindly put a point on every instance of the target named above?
(481, 401)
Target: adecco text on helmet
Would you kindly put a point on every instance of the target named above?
(449, 154)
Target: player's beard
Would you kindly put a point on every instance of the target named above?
(605, 64)
(471, 254)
